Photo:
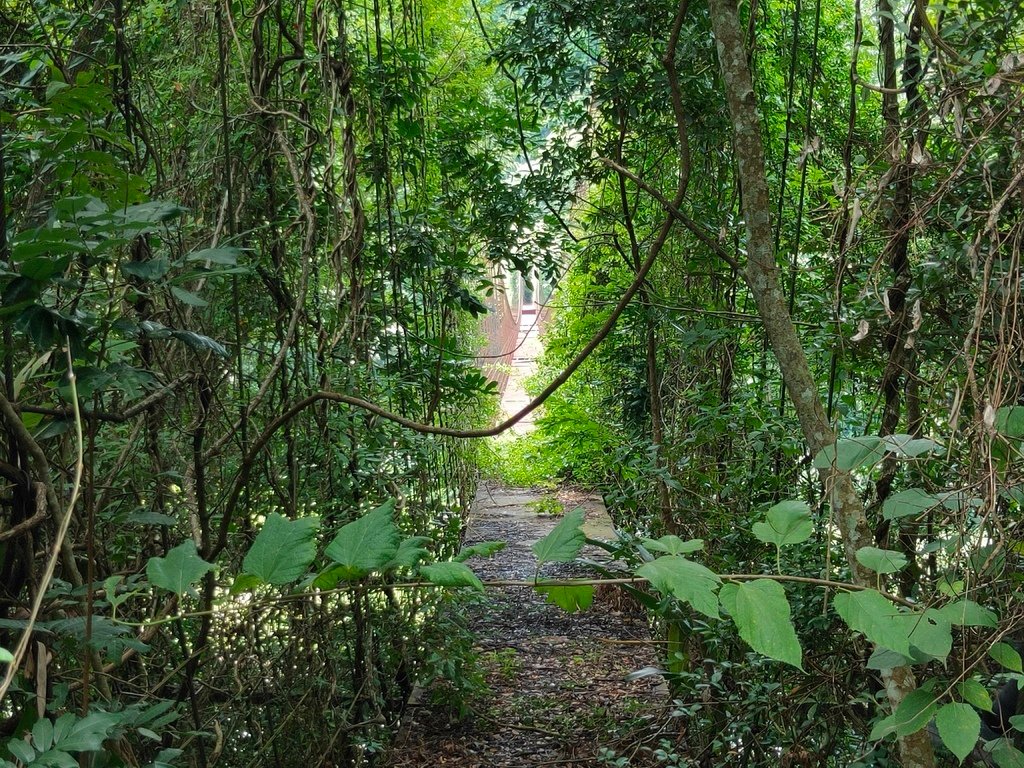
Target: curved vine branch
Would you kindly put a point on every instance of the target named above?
(357, 402)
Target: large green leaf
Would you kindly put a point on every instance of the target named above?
(152, 269)
(226, 255)
(869, 613)
(914, 712)
(1005, 755)
(283, 549)
(788, 522)
(929, 634)
(967, 613)
(177, 572)
(881, 560)
(684, 580)
(42, 734)
(975, 694)
(569, 598)
(564, 542)
(187, 297)
(959, 727)
(480, 549)
(762, 615)
(86, 734)
(851, 453)
(1007, 656)
(673, 545)
(908, 503)
(410, 552)
(366, 544)
(22, 751)
(452, 575)
(910, 446)
(1010, 421)
(883, 658)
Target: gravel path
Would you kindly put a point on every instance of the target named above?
(556, 688)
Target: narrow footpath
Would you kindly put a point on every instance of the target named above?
(557, 689)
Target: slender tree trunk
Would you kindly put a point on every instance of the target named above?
(763, 277)
(903, 142)
(665, 514)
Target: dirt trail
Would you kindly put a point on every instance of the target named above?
(556, 682)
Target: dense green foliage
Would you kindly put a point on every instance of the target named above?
(898, 243)
(240, 243)
(218, 211)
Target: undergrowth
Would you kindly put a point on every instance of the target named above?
(519, 460)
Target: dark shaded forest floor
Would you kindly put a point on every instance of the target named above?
(556, 690)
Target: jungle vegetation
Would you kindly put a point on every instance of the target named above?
(245, 246)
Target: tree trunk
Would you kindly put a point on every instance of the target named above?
(763, 277)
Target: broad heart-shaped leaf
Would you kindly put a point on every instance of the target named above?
(452, 575)
(569, 599)
(881, 560)
(967, 613)
(366, 544)
(761, 612)
(875, 617)
(564, 542)
(883, 658)
(684, 580)
(177, 572)
(914, 712)
(789, 522)
(851, 453)
(1005, 755)
(673, 545)
(152, 269)
(959, 727)
(283, 549)
(930, 634)
(330, 577)
(1006, 655)
(410, 552)
(1010, 421)
(244, 582)
(481, 549)
(6, 657)
(910, 446)
(975, 694)
(908, 503)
